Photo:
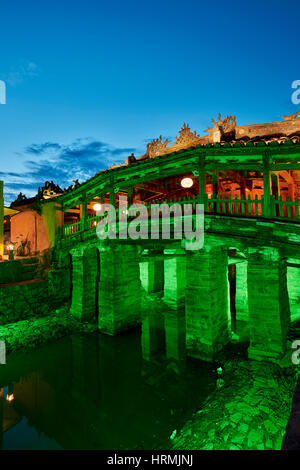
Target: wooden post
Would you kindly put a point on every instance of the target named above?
(112, 192)
(112, 196)
(215, 189)
(130, 196)
(202, 185)
(267, 209)
(83, 212)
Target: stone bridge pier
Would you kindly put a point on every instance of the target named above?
(108, 279)
(269, 312)
(84, 275)
(106, 286)
(207, 310)
(119, 288)
(206, 302)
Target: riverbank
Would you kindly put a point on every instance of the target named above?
(249, 409)
(27, 334)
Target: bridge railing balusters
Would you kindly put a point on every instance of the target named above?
(219, 204)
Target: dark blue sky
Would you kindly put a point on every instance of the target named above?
(88, 82)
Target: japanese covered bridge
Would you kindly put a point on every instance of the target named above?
(248, 179)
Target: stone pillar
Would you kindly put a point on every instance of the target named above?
(269, 315)
(293, 281)
(84, 278)
(152, 275)
(206, 302)
(175, 280)
(241, 295)
(119, 288)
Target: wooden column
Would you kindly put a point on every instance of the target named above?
(242, 185)
(83, 211)
(267, 207)
(202, 187)
(215, 182)
(112, 196)
(215, 176)
(112, 191)
(130, 195)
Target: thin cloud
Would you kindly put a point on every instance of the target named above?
(17, 75)
(61, 163)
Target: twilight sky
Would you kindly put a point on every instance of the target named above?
(89, 82)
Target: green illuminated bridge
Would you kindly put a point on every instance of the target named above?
(251, 197)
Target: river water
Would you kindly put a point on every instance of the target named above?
(93, 391)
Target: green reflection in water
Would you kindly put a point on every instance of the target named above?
(98, 392)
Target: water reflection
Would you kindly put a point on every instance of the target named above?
(99, 392)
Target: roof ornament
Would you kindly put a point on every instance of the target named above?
(227, 124)
(157, 147)
(221, 127)
(186, 137)
(292, 116)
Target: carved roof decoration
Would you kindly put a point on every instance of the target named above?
(157, 147)
(226, 130)
(227, 124)
(224, 133)
(186, 137)
(296, 115)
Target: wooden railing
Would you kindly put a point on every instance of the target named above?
(72, 229)
(286, 209)
(234, 206)
(226, 206)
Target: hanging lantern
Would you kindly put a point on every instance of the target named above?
(187, 182)
(97, 207)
